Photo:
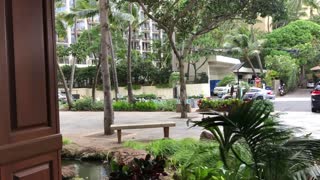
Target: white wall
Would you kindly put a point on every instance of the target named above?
(164, 93)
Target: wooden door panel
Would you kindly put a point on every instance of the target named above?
(28, 69)
(29, 64)
(39, 172)
(30, 139)
(44, 167)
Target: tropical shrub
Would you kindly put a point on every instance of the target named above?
(146, 96)
(122, 106)
(86, 104)
(193, 159)
(163, 105)
(66, 141)
(145, 106)
(273, 154)
(261, 104)
(218, 105)
(229, 79)
(166, 105)
(139, 169)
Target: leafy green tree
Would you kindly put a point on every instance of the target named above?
(91, 39)
(79, 52)
(300, 38)
(285, 67)
(201, 49)
(189, 19)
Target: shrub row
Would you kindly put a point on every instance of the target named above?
(206, 104)
(217, 104)
(86, 104)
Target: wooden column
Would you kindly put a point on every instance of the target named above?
(30, 140)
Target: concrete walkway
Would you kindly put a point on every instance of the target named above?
(86, 128)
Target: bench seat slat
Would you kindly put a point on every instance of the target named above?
(141, 126)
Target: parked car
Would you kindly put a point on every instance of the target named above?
(221, 90)
(310, 84)
(270, 93)
(62, 97)
(255, 94)
(315, 99)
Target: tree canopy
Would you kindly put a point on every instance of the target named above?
(295, 33)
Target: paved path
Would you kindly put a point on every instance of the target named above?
(86, 128)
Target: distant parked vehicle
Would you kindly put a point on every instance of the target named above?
(221, 90)
(310, 84)
(315, 99)
(270, 93)
(62, 97)
(282, 90)
(255, 94)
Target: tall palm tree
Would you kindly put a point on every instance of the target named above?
(246, 45)
(88, 9)
(104, 23)
(129, 60)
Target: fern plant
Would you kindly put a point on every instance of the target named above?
(273, 154)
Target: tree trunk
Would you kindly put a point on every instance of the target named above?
(188, 71)
(104, 23)
(260, 64)
(129, 78)
(74, 61)
(183, 94)
(195, 72)
(114, 68)
(69, 101)
(183, 89)
(72, 74)
(251, 65)
(95, 81)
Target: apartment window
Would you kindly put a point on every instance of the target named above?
(155, 36)
(146, 36)
(155, 27)
(145, 46)
(145, 26)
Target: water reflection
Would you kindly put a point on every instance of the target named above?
(89, 170)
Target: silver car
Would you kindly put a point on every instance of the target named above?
(255, 93)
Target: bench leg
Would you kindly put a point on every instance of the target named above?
(166, 132)
(119, 135)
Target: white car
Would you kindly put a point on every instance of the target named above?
(220, 90)
(310, 84)
(62, 97)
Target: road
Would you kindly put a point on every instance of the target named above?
(298, 101)
(296, 113)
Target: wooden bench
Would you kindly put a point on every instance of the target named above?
(165, 126)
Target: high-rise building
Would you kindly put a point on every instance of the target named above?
(142, 36)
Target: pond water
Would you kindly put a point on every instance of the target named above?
(89, 170)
